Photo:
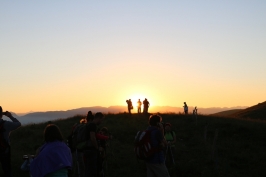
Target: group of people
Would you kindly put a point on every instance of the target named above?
(56, 158)
(89, 159)
(195, 111)
(145, 103)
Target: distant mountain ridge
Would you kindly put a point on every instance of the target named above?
(36, 117)
(119, 109)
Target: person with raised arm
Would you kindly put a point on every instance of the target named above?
(6, 127)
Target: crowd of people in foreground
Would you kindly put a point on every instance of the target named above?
(56, 158)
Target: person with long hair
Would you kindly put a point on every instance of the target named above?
(54, 157)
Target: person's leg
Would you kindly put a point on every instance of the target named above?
(5, 160)
(157, 170)
(149, 170)
(81, 164)
(91, 163)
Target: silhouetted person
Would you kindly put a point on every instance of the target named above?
(92, 151)
(146, 105)
(185, 108)
(156, 163)
(139, 106)
(129, 105)
(170, 138)
(89, 117)
(7, 127)
(53, 158)
(195, 111)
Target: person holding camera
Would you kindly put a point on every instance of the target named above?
(6, 127)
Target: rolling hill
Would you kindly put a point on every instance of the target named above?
(254, 112)
(226, 113)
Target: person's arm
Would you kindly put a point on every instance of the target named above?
(161, 137)
(14, 124)
(93, 140)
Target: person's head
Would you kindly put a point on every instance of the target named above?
(167, 127)
(98, 118)
(89, 117)
(154, 120)
(52, 133)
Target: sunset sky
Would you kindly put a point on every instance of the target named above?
(60, 55)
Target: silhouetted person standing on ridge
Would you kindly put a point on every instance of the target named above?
(6, 127)
(129, 105)
(195, 113)
(139, 106)
(185, 108)
(146, 105)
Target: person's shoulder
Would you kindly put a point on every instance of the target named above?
(91, 126)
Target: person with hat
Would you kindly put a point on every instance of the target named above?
(6, 128)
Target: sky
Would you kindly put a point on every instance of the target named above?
(61, 55)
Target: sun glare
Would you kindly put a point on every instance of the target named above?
(134, 98)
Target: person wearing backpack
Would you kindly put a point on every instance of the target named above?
(6, 127)
(170, 138)
(91, 152)
(129, 105)
(77, 154)
(155, 163)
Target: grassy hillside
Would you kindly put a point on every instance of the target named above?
(226, 113)
(254, 112)
(212, 147)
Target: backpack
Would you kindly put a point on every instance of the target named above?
(143, 148)
(79, 137)
(172, 134)
(3, 143)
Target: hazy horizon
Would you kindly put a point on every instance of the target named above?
(153, 108)
(60, 55)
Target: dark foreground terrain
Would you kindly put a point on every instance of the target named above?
(208, 147)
